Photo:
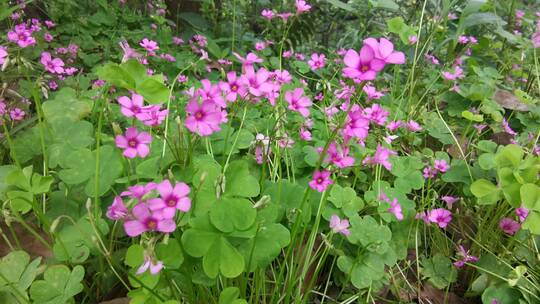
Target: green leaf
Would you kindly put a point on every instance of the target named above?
(386, 4)
(509, 156)
(115, 75)
(153, 91)
(483, 187)
(487, 161)
(532, 223)
(363, 271)
(80, 166)
(471, 116)
(439, 270)
(17, 274)
(230, 295)
(260, 251)
(487, 146)
(530, 196)
(482, 18)
(340, 196)
(68, 136)
(134, 256)
(502, 294)
(170, 253)
(223, 258)
(231, 214)
(66, 105)
(342, 5)
(59, 285)
(367, 232)
(239, 181)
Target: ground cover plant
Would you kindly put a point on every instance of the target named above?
(239, 151)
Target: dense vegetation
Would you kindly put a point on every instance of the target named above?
(360, 151)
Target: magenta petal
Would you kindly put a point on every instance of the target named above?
(141, 212)
(121, 141)
(352, 59)
(396, 58)
(166, 225)
(184, 204)
(385, 48)
(144, 138)
(143, 267)
(134, 228)
(376, 64)
(366, 54)
(130, 153)
(181, 189)
(131, 132)
(124, 101)
(137, 100)
(165, 188)
(143, 150)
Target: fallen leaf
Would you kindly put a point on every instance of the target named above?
(508, 100)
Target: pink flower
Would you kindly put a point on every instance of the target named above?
(376, 114)
(268, 14)
(339, 225)
(317, 61)
(413, 39)
(384, 50)
(463, 39)
(250, 59)
(509, 226)
(134, 143)
(363, 65)
(380, 157)
(372, 92)
(152, 115)
(211, 93)
(298, 102)
(178, 40)
(22, 36)
(117, 210)
(3, 54)
(394, 125)
(203, 119)
(149, 45)
(429, 172)
(131, 107)
(139, 191)
(302, 6)
(522, 213)
(452, 16)
(17, 114)
(413, 126)
(48, 37)
(458, 74)
(49, 24)
(232, 88)
(449, 200)
(282, 76)
(440, 216)
(256, 82)
(357, 125)
(395, 209)
(148, 263)
(506, 127)
(55, 65)
(171, 199)
(441, 165)
(339, 155)
(305, 134)
(321, 180)
(53, 85)
(144, 220)
(285, 16)
(464, 257)
(128, 51)
(432, 59)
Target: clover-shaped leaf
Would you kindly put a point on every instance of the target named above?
(239, 181)
(266, 246)
(80, 167)
(17, 273)
(218, 254)
(231, 214)
(59, 285)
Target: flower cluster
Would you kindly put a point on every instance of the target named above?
(151, 212)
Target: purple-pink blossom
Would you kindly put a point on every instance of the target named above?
(149, 45)
(509, 226)
(381, 157)
(298, 102)
(52, 65)
(117, 210)
(203, 118)
(339, 225)
(321, 180)
(440, 216)
(134, 143)
(317, 61)
(144, 220)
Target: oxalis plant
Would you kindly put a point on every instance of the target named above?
(156, 155)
